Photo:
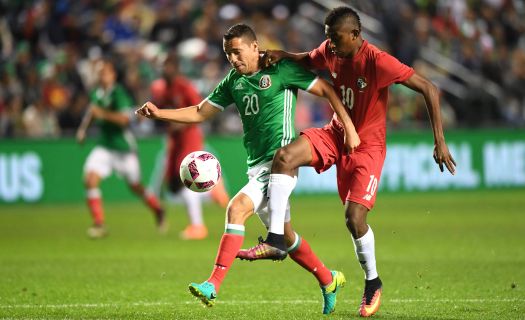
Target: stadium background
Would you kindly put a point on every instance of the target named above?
(474, 51)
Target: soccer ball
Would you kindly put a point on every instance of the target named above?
(200, 171)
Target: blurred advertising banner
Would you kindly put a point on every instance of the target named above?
(51, 170)
(485, 159)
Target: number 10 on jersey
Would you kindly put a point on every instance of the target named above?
(347, 97)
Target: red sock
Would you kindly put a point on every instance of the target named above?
(306, 258)
(153, 203)
(97, 212)
(230, 245)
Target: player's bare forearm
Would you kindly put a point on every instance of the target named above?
(273, 56)
(118, 118)
(431, 94)
(324, 89)
(86, 121)
(442, 155)
(84, 125)
(188, 115)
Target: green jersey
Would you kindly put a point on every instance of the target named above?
(266, 103)
(113, 136)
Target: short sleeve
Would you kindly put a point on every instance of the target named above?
(389, 70)
(294, 75)
(318, 56)
(221, 96)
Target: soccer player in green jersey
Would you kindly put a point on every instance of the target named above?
(266, 102)
(115, 149)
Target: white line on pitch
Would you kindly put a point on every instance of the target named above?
(234, 302)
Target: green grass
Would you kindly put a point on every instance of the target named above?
(443, 255)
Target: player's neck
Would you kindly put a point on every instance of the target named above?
(257, 67)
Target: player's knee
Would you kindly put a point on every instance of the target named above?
(91, 180)
(355, 216)
(237, 212)
(283, 159)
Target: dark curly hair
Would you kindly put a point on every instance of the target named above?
(343, 14)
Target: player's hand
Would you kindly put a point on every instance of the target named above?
(81, 136)
(148, 110)
(98, 112)
(352, 140)
(443, 157)
(271, 57)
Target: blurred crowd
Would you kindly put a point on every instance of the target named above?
(49, 52)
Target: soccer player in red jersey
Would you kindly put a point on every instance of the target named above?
(174, 90)
(361, 74)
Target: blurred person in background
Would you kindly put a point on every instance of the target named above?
(115, 149)
(173, 90)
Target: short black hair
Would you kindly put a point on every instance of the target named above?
(339, 15)
(240, 30)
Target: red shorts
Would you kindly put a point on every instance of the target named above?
(358, 173)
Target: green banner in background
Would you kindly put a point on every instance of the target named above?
(51, 170)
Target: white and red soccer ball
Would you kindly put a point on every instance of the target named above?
(200, 171)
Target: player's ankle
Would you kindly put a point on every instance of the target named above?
(276, 240)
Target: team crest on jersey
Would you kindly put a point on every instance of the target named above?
(265, 82)
(361, 83)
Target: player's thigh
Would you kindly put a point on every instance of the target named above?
(294, 155)
(98, 162)
(127, 165)
(325, 146)
(358, 176)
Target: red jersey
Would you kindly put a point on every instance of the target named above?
(362, 84)
(180, 94)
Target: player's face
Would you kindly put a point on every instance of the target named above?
(342, 39)
(169, 69)
(242, 54)
(107, 75)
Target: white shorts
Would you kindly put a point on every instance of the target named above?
(103, 161)
(256, 189)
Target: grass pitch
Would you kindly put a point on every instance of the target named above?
(443, 255)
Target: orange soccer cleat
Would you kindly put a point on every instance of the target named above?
(371, 298)
(194, 232)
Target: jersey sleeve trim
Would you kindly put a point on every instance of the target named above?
(314, 81)
(218, 106)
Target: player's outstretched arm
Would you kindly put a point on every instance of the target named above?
(117, 117)
(323, 89)
(442, 155)
(84, 125)
(273, 56)
(192, 114)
